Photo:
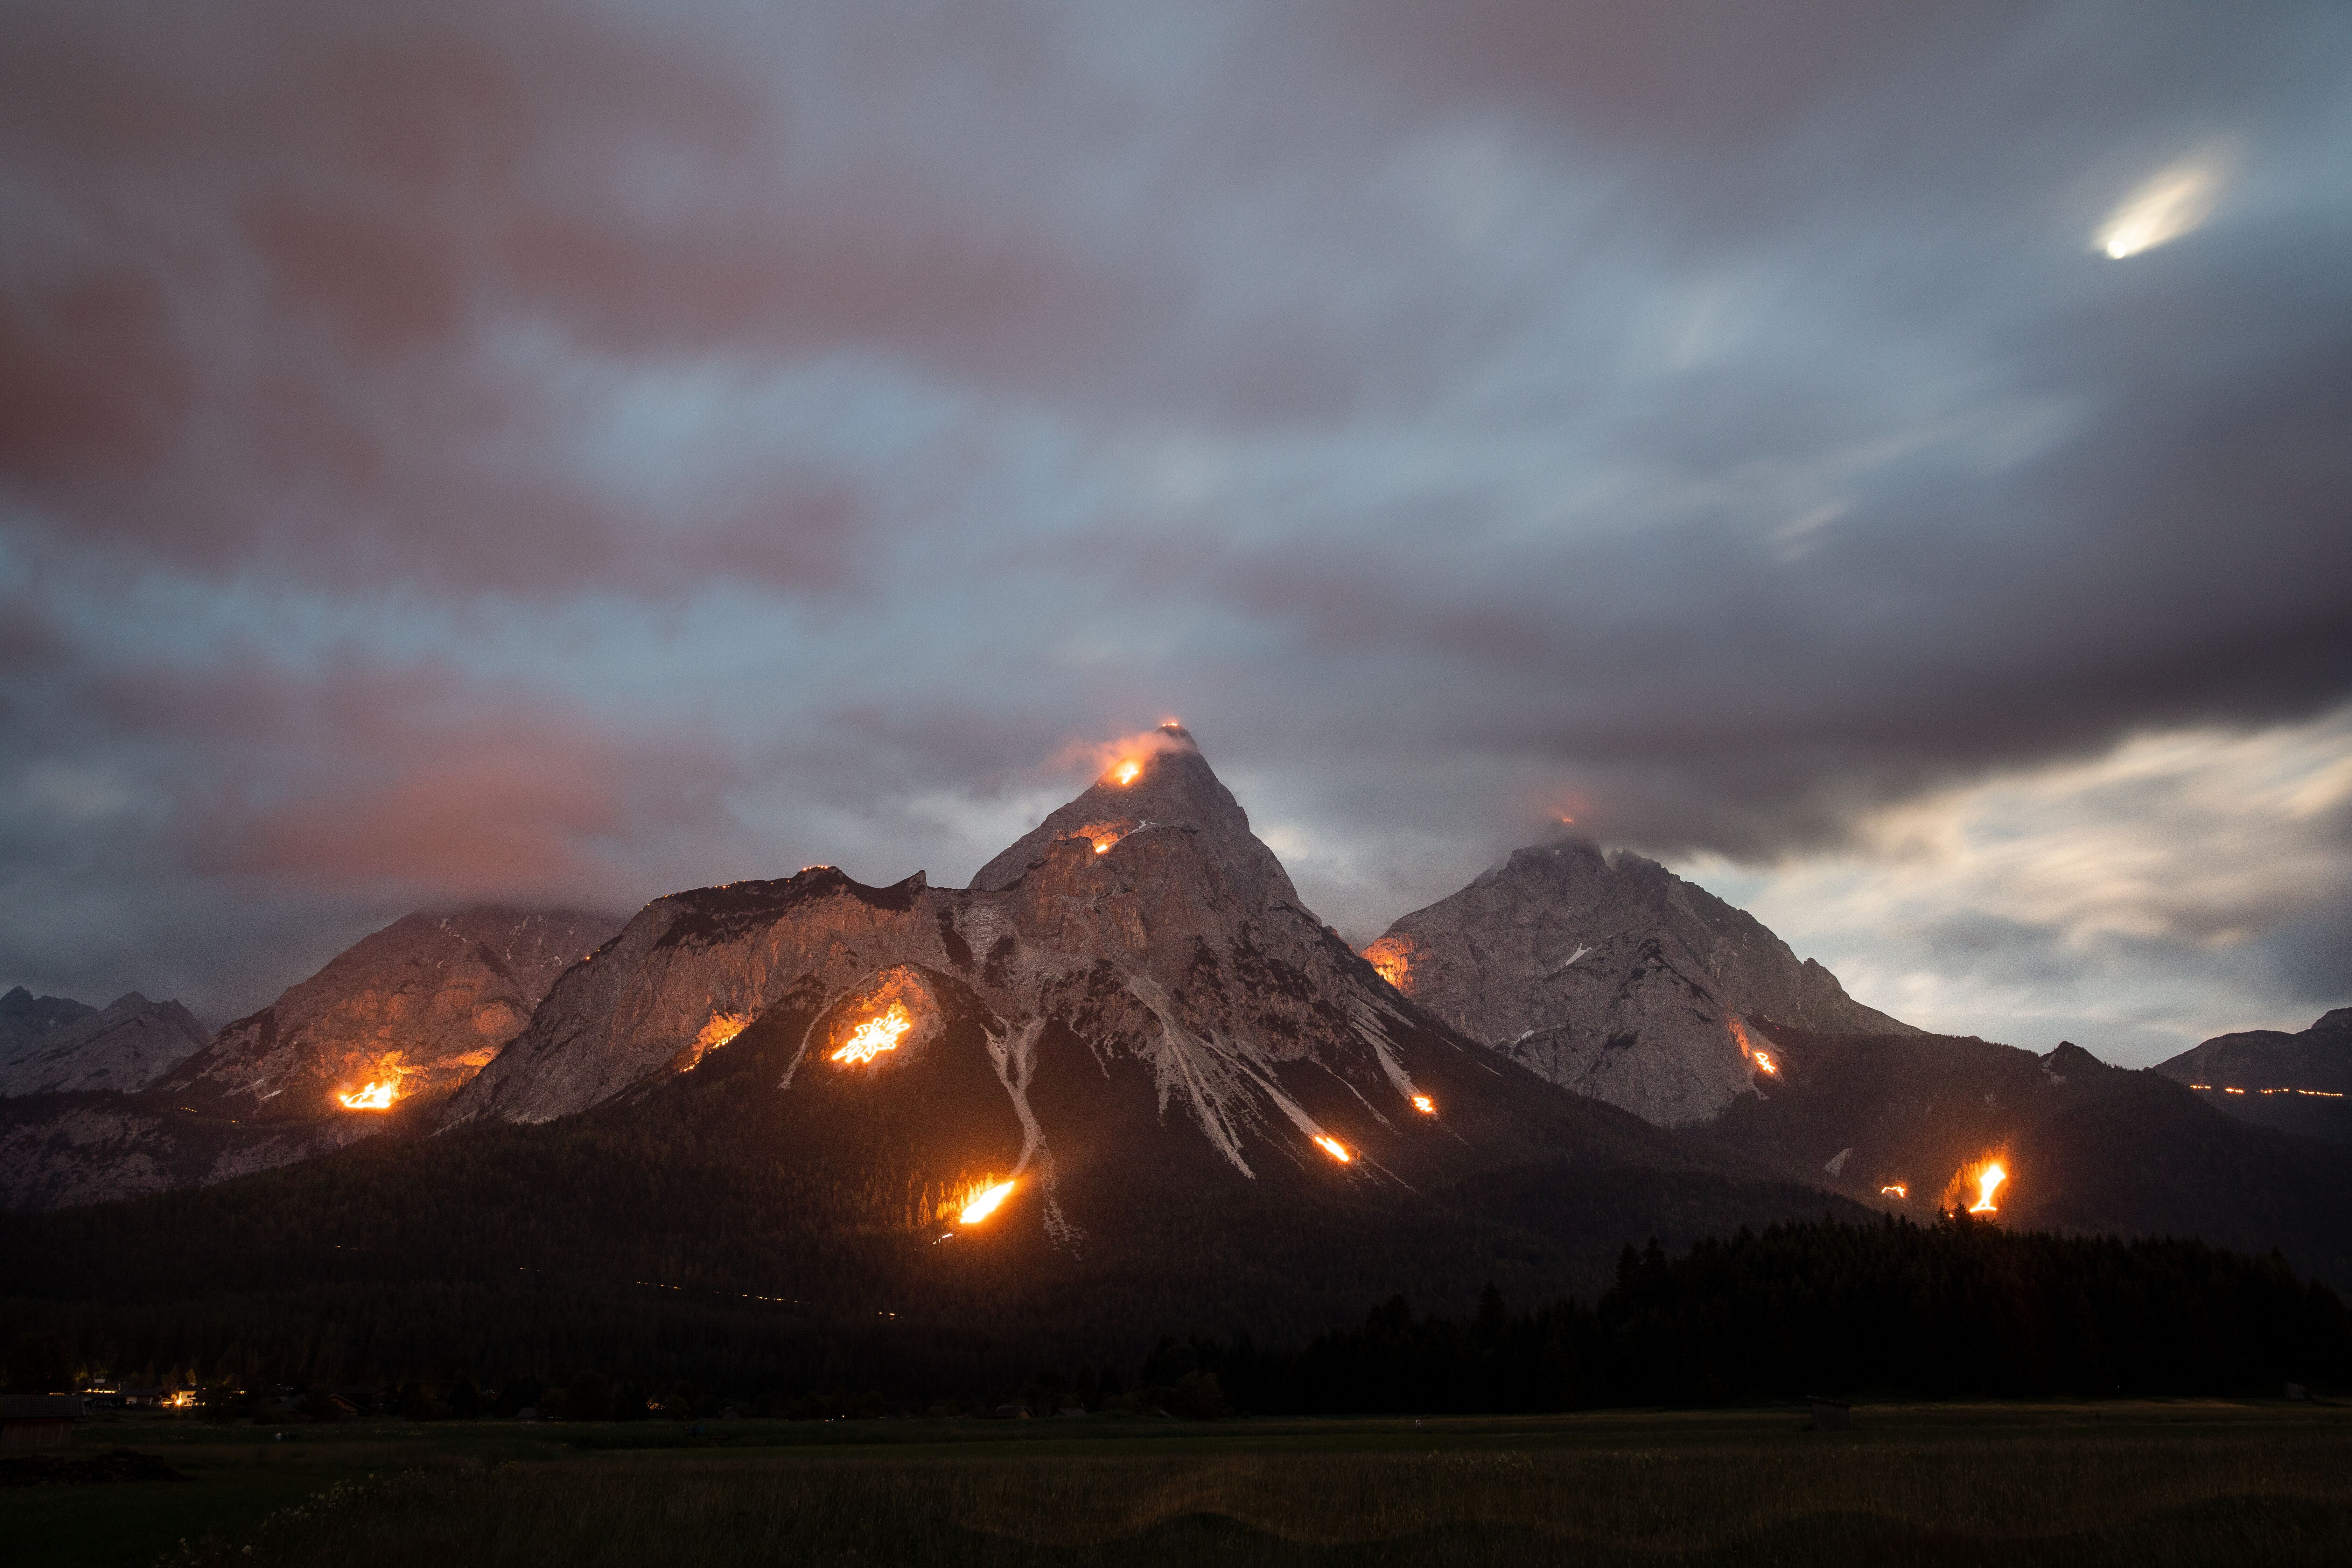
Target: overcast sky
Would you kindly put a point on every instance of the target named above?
(1892, 463)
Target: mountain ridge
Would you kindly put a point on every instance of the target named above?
(1609, 975)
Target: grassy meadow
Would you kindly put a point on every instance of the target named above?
(2146, 1484)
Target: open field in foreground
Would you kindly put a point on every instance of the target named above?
(2145, 1484)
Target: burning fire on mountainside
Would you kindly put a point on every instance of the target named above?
(1425, 1105)
(1977, 1185)
(877, 1034)
(1894, 1190)
(895, 1011)
(1105, 836)
(382, 1086)
(986, 1204)
(1391, 957)
(722, 1028)
(1752, 1052)
(1122, 761)
(1333, 1147)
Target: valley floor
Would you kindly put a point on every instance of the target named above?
(2146, 1483)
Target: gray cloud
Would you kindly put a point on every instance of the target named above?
(553, 452)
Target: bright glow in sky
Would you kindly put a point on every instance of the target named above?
(2167, 206)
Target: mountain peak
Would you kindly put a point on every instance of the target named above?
(1607, 972)
(1156, 783)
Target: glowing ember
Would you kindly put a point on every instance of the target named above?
(1894, 1190)
(1125, 772)
(1391, 959)
(1102, 845)
(1761, 1060)
(1989, 1181)
(1764, 1064)
(876, 1036)
(1423, 1104)
(377, 1096)
(980, 1207)
(722, 1028)
(1333, 1147)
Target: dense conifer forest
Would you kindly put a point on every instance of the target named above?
(1959, 1308)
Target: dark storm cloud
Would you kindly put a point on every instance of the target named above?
(553, 451)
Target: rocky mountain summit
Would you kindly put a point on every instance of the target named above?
(1607, 973)
(24, 1017)
(137, 1100)
(124, 1046)
(414, 1010)
(1140, 938)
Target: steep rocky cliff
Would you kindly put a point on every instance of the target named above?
(1140, 937)
(1611, 976)
(414, 1010)
(24, 1017)
(124, 1046)
(60, 1150)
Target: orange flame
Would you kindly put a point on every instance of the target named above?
(1748, 1051)
(1391, 958)
(1989, 1181)
(1125, 772)
(377, 1096)
(1102, 845)
(1894, 1190)
(877, 1035)
(1423, 1104)
(1333, 1147)
(980, 1207)
(722, 1028)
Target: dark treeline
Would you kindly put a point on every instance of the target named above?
(1959, 1307)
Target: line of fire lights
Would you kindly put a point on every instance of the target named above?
(2315, 1093)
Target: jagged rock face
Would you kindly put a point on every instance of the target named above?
(1142, 924)
(125, 1047)
(24, 1017)
(2319, 1057)
(64, 1150)
(423, 1005)
(1610, 975)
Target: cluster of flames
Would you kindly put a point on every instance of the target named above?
(1391, 957)
(881, 1032)
(1975, 1186)
(382, 1086)
(1333, 1147)
(990, 1199)
(722, 1028)
(1752, 1052)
